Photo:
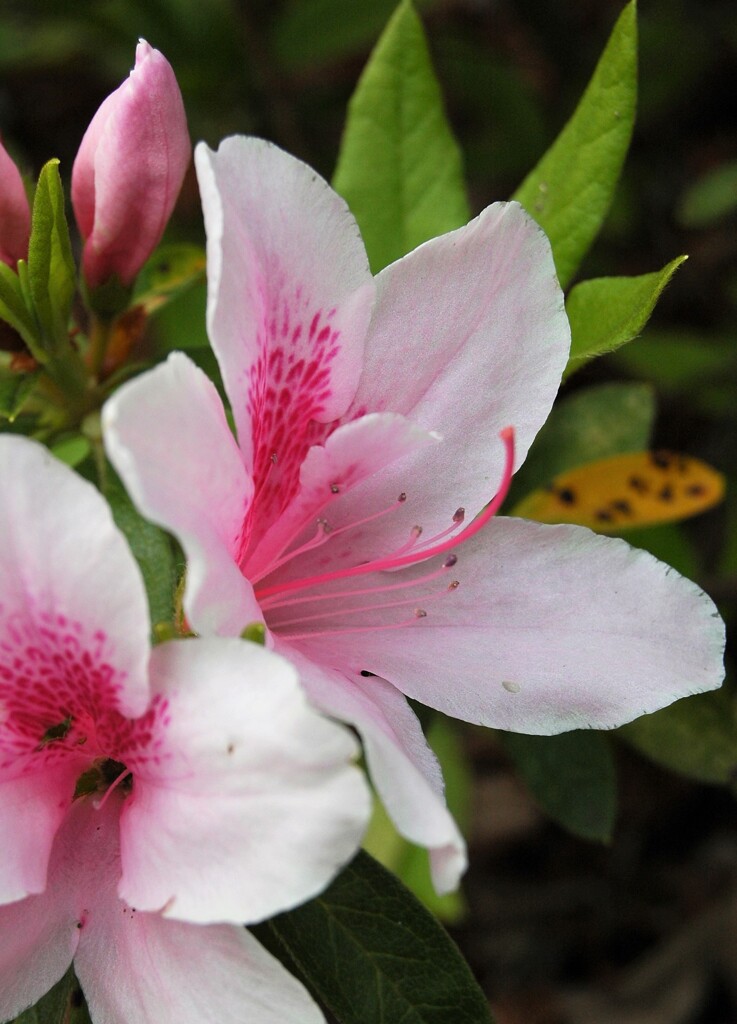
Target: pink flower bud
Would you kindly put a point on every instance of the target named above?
(129, 170)
(15, 214)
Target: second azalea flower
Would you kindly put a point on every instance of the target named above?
(375, 420)
(151, 801)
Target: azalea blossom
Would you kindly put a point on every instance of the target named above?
(378, 424)
(151, 801)
(129, 169)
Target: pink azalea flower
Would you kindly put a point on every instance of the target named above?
(15, 213)
(129, 170)
(151, 801)
(368, 416)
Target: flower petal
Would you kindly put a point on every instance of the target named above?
(142, 967)
(70, 589)
(289, 301)
(484, 340)
(32, 807)
(167, 436)
(39, 935)
(253, 805)
(354, 452)
(551, 628)
(403, 768)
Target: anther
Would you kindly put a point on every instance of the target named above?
(459, 515)
(416, 531)
(454, 585)
(402, 497)
(334, 489)
(420, 613)
(450, 561)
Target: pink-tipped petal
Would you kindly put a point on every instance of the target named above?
(289, 301)
(403, 768)
(70, 588)
(166, 434)
(254, 805)
(551, 628)
(469, 336)
(15, 213)
(129, 170)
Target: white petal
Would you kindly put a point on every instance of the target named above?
(252, 804)
(167, 436)
(403, 768)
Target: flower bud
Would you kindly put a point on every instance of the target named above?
(15, 213)
(129, 170)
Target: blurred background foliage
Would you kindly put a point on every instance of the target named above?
(512, 72)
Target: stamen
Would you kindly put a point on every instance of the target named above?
(399, 559)
(420, 613)
(275, 602)
(333, 533)
(279, 625)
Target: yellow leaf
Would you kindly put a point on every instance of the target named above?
(635, 489)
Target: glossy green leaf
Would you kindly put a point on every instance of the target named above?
(372, 954)
(607, 312)
(571, 776)
(676, 360)
(54, 1007)
(72, 450)
(696, 737)
(151, 547)
(590, 424)
(570, 190)
(51, 270)
(399, 166)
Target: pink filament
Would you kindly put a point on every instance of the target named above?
(396, 560)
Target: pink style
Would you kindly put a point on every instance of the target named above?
(151, 801)
(129, 170)
(378, 423)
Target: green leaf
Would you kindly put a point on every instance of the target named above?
(51, 270)
(151, 548)
(15, 389)
(170, 271)
(571, 776)
(591, 424)
(399, 166)
(72, 450)
(607, 312)
(53, 1008)
(710, 198)
(373, 955)
(570, 190)
(696, 737)
(13, 309)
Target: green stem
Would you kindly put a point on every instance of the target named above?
(99, 334)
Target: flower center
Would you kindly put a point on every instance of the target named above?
(325, 609)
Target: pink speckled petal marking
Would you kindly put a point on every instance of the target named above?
(250, 805)
(289, 300)
(71, 595)
(353, 453)
(403, 768)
